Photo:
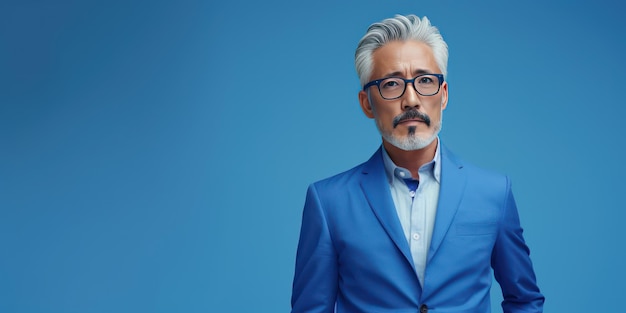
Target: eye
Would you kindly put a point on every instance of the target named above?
(390, 83)
(425, 80)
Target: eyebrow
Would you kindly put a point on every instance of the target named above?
(416, 73)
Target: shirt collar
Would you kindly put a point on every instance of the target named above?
(433, 167)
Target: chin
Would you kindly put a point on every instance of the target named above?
(410, 143)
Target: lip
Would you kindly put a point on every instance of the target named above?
(413, 120)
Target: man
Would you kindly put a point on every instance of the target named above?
(414, 229)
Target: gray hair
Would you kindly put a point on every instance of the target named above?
(400, 28)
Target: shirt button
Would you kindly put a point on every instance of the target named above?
(412, 193)
(416, 236)
(402, 174)
(424, 308)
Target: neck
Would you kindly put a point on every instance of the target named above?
(411, 160)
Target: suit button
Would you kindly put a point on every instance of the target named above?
(423, 308)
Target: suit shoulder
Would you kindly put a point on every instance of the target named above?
(341, 179)
(485, 185)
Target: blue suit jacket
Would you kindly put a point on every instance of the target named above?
(353, 256)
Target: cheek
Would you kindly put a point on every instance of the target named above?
(436, 109)
(381, 111)
(436, 113)
(384, 121)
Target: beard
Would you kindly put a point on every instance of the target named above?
(411, 141)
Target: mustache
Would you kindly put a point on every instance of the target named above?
(409, 115)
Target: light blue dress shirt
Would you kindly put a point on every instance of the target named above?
(416, 209)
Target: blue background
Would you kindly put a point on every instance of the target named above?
(154, 156)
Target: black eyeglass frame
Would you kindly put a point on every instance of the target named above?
(406, 82)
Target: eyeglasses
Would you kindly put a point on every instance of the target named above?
(394, 87)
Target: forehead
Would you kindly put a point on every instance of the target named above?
(405, 58)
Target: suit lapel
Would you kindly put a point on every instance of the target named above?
(453, 179)
(376, 189)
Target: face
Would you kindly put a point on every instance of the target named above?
(403, 122)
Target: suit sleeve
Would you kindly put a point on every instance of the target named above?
(316, 275)
(512, 265)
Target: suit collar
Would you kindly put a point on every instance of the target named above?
(375, 186)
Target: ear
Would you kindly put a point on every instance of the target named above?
(444, 95)
(366, 106)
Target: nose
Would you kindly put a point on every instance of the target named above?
(410, 98)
